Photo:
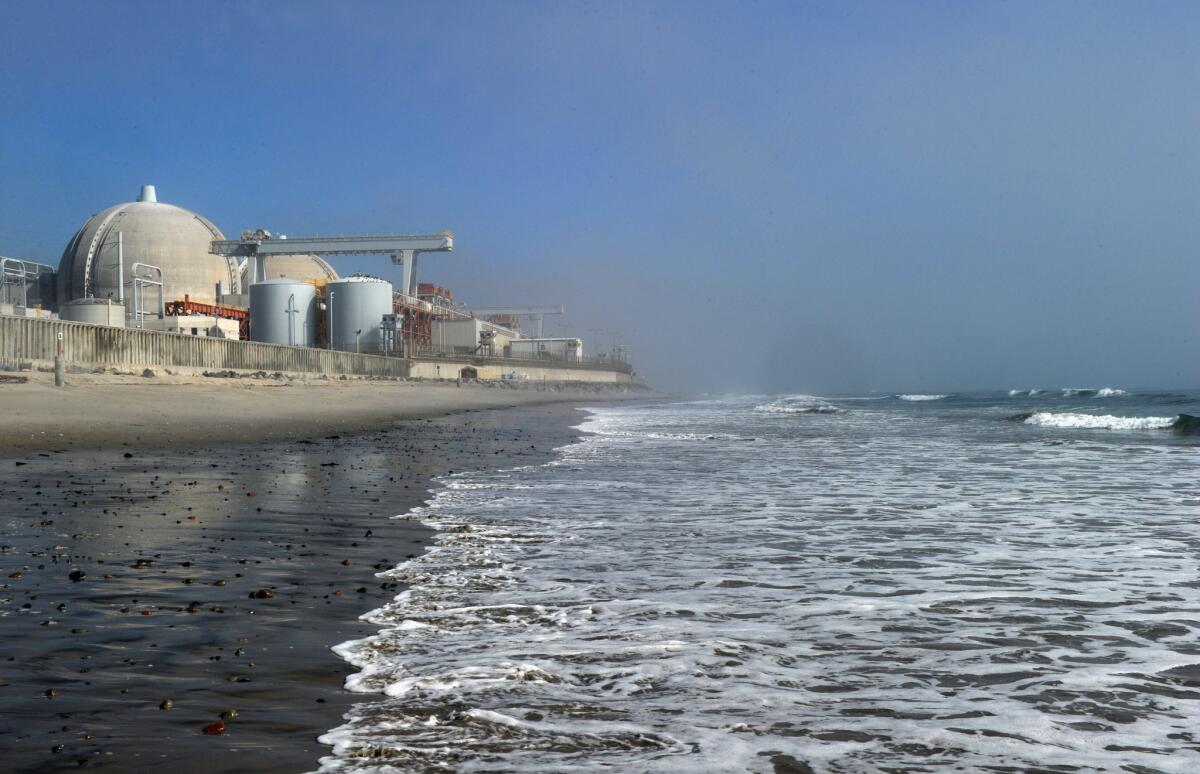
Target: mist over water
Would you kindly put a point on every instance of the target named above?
(854, 583)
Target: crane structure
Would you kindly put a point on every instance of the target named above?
(404, 249)
(535, 313)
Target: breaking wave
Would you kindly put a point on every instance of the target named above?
(1088, 392)
(922, 397)
(1022, 393)
(798, 404)
(1183, 422)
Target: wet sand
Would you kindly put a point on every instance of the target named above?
(172, 543)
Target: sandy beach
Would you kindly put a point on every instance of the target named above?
(159, 575)
(102, 410)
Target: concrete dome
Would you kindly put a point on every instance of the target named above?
(307, 268)
(163, 235)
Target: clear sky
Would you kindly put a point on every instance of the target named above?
(763, 196)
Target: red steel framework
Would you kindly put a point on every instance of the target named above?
(188, 306)
(416, 324)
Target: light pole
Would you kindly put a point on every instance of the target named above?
(595, 339)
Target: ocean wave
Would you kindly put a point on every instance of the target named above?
(768, 408)
(921, 397)
(1024, 393)
(1106, 421)
(798, 404)
(1088, 392)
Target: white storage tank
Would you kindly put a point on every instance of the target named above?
(283, 311)
(356, 306)
(97, 311)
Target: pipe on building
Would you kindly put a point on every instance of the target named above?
(121, 267)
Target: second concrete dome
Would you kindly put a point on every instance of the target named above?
(309, 268)
(163, 235)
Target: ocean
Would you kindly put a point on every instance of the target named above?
(987, 582)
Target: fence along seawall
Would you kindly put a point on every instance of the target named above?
(27, 339)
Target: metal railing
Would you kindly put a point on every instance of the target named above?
(18, 277)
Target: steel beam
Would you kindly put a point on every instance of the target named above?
(363, 245)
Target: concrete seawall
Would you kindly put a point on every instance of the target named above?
(30, 340)
(500, 368)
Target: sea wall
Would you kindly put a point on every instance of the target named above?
(501, 368)
(31, 340)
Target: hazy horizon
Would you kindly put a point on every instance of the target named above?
(756, 197)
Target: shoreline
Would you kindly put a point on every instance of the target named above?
(101, 411)
(172, 542)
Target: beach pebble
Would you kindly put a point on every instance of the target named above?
(262, 594)
(215, 729)
(77, 575)
(229, 714)
(166, 704)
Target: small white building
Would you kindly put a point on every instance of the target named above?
(464, 337)
(192, 325)
(546, 349)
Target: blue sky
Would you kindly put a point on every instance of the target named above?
(763, 196)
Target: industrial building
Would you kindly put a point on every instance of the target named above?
(567, 349)
(155, 266)
(471, 335)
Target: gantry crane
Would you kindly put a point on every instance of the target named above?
(535, 313)
(404, 249)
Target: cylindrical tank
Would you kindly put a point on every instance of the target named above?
(97, 311)
(356, 306)
(283, 311)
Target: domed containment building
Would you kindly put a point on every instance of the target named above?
(150, 232)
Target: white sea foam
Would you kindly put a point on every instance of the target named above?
(1099, 421)
(798, 404)
(884, 596)
(918, 397)
(1110, 392)
(1029, 393)
(769, 408)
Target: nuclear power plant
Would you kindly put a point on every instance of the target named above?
(160, 269)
